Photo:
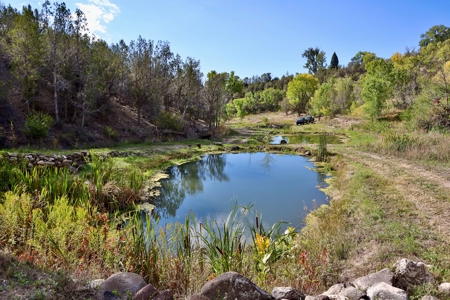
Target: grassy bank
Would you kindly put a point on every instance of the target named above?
(75, 223)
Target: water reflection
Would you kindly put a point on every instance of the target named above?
(266, 161)
(305, 139)
(281, 187)
(187, 179)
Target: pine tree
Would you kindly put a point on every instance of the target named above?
(334, 64)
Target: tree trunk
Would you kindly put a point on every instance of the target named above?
(55, 95)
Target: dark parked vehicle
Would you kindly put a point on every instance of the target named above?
(309, 119)
(300, 121)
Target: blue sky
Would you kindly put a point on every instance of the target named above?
(254, 37)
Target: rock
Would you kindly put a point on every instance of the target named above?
(288, 293)
(409, 273)
(198, 297)
(307, 153)
(41, 162)
(344, 290)
(124, 284)
(352, 293)
(164, 295)
(363, 283)
(108, 295)
(334, 290)
(283, 142)
(66, 162)
(232, 285)
(147, 292)
(336, 297)
(235, 148)
(444, 288)
(310, 298)
(385, 291)
(322, 297)
(428, 297)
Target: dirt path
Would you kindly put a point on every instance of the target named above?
(427, 188)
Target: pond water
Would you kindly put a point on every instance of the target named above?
(281, 188)
(305, 139)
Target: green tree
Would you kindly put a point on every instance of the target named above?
(300, 90)
(334, 64)
(315, 60)
(437, 33)
(215, 96)
(240, 109)
(27, 53)
(320, 103)
(57, 25)
(187, 85)
(140, 52)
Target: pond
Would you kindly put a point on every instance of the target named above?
(281, 188)
(305, 139)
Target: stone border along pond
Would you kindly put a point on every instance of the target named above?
(382, 285)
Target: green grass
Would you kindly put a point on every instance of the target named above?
(84, 233)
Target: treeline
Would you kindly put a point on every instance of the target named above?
(49, 55)
(415, 82)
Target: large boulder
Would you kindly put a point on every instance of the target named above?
(121, 284)
(363, 283)
(409, 274)
(232, 285)
(385, 291)
(288, 293)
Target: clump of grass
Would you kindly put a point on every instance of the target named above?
(322, 152)
(223, 244)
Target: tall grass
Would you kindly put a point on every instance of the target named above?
(223, 244)
(322, 152)
(71, 222)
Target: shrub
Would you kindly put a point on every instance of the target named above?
(37, 125)
(169, 120)
(111, 133)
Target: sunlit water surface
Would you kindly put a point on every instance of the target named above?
(281, 188)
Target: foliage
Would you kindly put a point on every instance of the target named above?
(334, 61)
(270, 246)
(315, 60)
(322, 152)
(111, 133)
(38, 124)
(240, 109)
(320, 103)
(300, 90)
(223, 244)
(27, 52)
(168, 120)
(435, 34)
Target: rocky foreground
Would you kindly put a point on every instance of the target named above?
(382, 285)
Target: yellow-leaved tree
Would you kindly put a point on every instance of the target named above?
(300, 90)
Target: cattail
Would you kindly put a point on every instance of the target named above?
(257, 226)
